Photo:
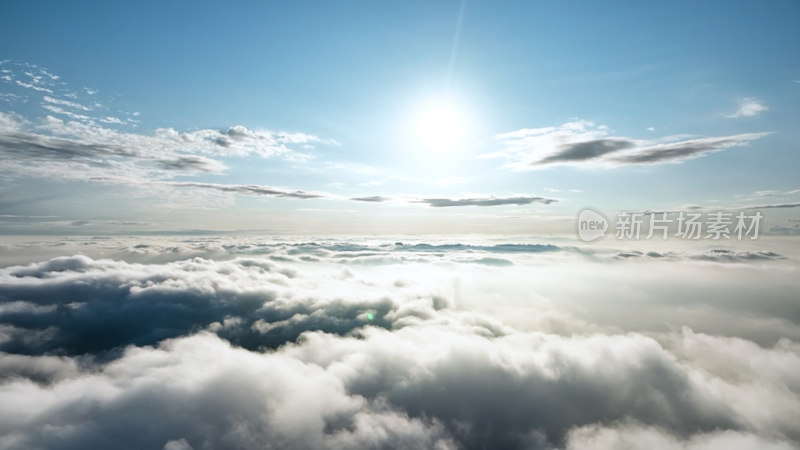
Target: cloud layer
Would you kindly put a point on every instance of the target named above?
(342, 344)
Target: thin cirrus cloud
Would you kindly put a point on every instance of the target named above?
(36, 84)
(748, 107)
(251, 189)
(683, 150)
(764, 193)
(445, 202)
(372, 199)
(192, 163)
(583, 143)
(754, 206)
(773, 206)
(486, 201)
(436, 202)
(62, 102)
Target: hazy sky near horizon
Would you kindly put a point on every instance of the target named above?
(434, 117)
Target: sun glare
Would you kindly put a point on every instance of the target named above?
(440, 126)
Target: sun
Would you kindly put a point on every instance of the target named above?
(439, 126)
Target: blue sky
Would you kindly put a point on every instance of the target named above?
(493, 108)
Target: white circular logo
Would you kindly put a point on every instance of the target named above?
(591, 225)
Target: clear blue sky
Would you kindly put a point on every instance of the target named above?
(449, 116)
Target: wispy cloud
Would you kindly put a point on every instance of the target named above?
(67, 113)
(485, 201)
(446, 202)
(192, 164)
(682, 150)
(436, 202)
(585, 144)
(748, 107)
(372, 199)
(767, 193)
(252, 189)
(56, 141)
(29, 76)
(34, 86)
(68, 103)
(772, 206)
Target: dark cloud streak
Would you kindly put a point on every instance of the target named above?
(488, 201)
(587, 150)
(251, 189)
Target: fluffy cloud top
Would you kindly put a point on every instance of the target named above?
(292, 345)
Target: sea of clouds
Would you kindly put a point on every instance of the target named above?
(244, 342)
